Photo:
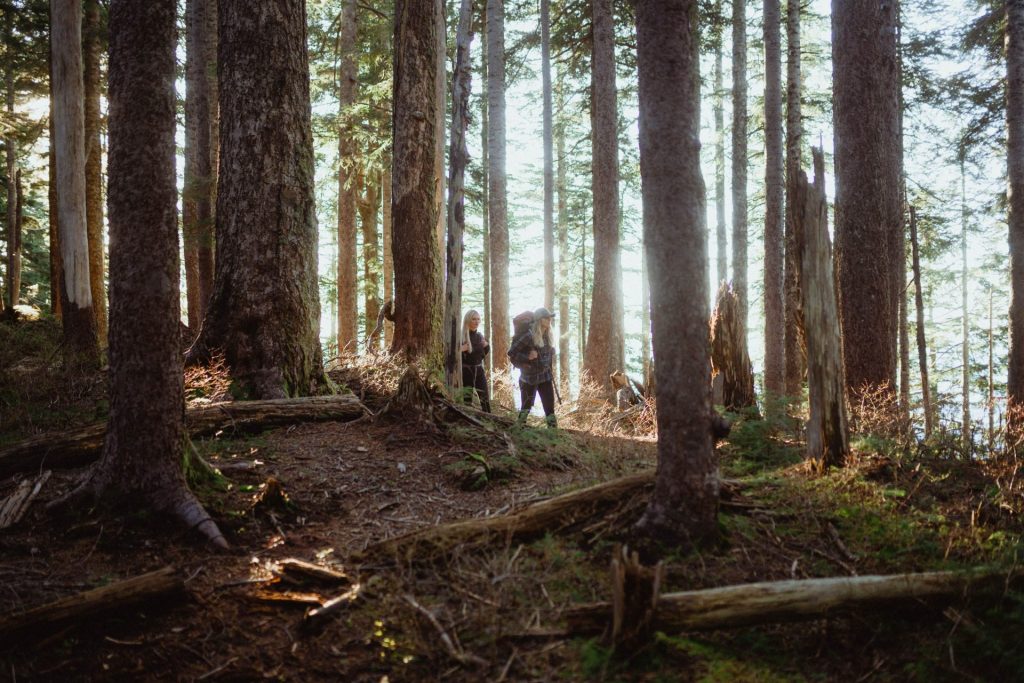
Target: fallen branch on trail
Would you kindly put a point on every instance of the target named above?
(784, 601)
(13, 508)
(84, 605)
(79, 447)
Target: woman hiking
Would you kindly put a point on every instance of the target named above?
(474, 349)
(533, 352)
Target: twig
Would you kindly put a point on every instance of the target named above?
(217, 670)
(459, 655)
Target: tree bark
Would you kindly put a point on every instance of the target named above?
(56, 264)
(827, 434)
(683, 507)
(549, 173)
(605, 343)
(458, 159)
(795, 354)
(80, 343)
(866, 85)
(389, 258)
(419, 289)
(718, 113)
(142, 452)
(497, 199)
(14, 241)
(347, 173)
(922, 348)
(563, 246)
(369, 205)
(729, 352)
(200, 135)
(1015, 201)
(965, 326)
(774, 296)
(13, 293)
(265, 309)
(92, 29)
(441, 97)
(739, 157)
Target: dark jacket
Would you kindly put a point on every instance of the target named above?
(538, 370)
(476, 356)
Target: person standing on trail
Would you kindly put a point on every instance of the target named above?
(474, 348)
(533, 352)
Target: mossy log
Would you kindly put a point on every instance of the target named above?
(85, 605)
(786, 601)
(79, 447)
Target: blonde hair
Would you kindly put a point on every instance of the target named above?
(541, 339)
(465, 326)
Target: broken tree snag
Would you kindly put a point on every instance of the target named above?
(13, 508)
(729, 357)
(412, 401)
(635, 590)
(827, 436)
(79, 447)
(387, 312)
(82, 606)
(784, 601)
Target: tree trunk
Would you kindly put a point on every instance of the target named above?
(922, 349)
(827, 435)
(795, 352)
(265, 309)
(142, 454)
(991, 383)
(419, 289)
(645, 318)
(389, 258)
(13, 294)
(549, 173)
(605, 343)
(774, 298)
(497, 200)
(347, 173)
(369, 205)
(965, 327)
(1015, 200)
(866, 85)
(718, 113)
(441, 92)
(56, 264)
(200, 134)
(683, 507)
(563, 246)
(92, 30)
(458, 159)
(729, 352)
(485, 247)
(80, 343)
(904, 344)
(739, 156)
(14, 239)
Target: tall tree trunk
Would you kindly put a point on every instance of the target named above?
(991, 383)
(739, 156)
(684, 503)
(419, 289)
(718, 113)
(441, 85)
(16, 210)
(485, 247)
(80, 343)
(549, 174)
(265, 309)
(142, 454)
(389, 258)
(347, 172)
(645, 319)
(774, 299)
(92, 48)
(563, 245)
(965, 327)
(56, 265)
(200, 134)
(794, 354)
(369, 205)
(605, 342)
(866, 84)
(904, 344)
(583, 293)
(497, 199)
(1015, 200)
(458, 159)
(13, 293)
(922, 349)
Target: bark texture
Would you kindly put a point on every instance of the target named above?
(265, 309)
(142, 454)
(200, 170)
(683, 507)
(56, 264)
(795, 354)
(389, 258)
(922, 347)
(80, 342)
(563, 249)
(92, 35)
(419, 289)
(1015, 199)
(549, 173)
(729, 352)
(13, 293)
(605, 343)
(368, 206)
(718, 113)
(866, 84)
(739, 156)
(774, 300)
(497, 199)
(347, 172)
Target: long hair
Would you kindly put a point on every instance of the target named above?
(540, 339)
(465, 326)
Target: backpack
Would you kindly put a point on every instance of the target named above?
(521, 325)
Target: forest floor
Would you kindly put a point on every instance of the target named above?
(351, 485)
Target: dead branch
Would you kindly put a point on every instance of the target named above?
(453, 648)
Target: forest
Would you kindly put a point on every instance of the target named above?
(511, 340)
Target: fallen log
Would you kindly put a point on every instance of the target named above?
(785, 601)
(79, 447)
(84, 605)
(14, 507)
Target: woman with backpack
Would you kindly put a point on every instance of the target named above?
(474, 349)
(533, 352)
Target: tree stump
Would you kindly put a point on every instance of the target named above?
(729, 357)
(412, 401)
(635, 592)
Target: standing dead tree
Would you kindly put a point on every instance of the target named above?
(729, 357)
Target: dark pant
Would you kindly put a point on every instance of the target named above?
(474, 377)
(528, 392)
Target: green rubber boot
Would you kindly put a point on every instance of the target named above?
(523, 414)
(551, 421)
